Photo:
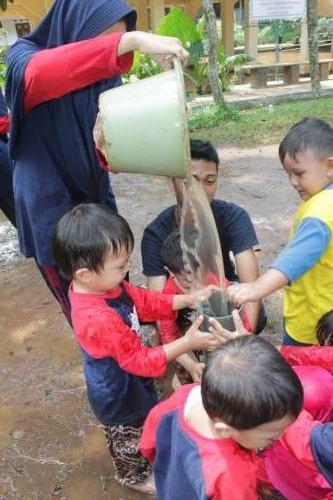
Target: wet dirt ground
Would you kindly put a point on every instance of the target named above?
(50, 444)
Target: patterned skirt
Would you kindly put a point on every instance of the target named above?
(123, 442)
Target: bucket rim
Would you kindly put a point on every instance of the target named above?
(182, 106)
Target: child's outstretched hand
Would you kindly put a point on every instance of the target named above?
(223, 334)
(201, 341)
(194, 298)
(197, 371)
(240, 293)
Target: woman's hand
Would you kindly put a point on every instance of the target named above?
(148, 43)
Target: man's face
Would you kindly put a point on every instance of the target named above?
(205, 172)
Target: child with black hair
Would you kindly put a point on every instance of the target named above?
(305, 266)
(300, 464)
(92, 246)
(324, 329)
(179, 282)
(321, 355)
(202, 440)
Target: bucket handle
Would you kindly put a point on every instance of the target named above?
(177, 65)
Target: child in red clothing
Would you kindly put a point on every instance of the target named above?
(93, 246)
(178, 283)
(201, 441)
(300, 464)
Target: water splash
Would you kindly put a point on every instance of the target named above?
(201, 248)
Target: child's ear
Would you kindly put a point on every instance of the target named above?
(222, 429)
(84, 275)
(329, 163)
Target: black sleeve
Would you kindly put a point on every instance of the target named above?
(242, 235)
(151, 245)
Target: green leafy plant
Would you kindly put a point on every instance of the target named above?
(143, 67)
(199, 73)
(179, 25)
(192, 35)
(182, 26)
(2, 73)
(3, 66)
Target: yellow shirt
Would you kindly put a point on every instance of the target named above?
(311, 296)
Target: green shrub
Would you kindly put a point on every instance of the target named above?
(211, 116)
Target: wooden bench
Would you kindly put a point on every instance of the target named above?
(259, 73)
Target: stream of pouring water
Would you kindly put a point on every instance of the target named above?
(201, 248)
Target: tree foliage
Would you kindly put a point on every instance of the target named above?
(4, 4)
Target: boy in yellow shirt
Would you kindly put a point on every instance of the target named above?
(305, 266)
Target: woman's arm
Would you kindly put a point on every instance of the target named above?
(52, 73)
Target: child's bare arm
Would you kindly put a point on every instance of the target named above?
(193, 367)
(266, 284)
(194, 298)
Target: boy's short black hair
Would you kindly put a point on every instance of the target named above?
(310, 133)
(246, 383)
(172, 252)
(204, 150)
(324, 329)
(84, 236)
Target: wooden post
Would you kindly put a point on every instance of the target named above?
(304, 51)
(156, 12)
(227, 18)
(251, 33)
(290, 74)
(141, 9)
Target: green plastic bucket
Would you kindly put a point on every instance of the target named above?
(144, 126)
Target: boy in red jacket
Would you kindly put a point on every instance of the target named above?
(202, 440)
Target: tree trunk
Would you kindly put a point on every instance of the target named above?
(213, 68)
(313, 45)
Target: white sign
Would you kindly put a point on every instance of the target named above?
(267, 10)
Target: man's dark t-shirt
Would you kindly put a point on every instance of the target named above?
(235, 229)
